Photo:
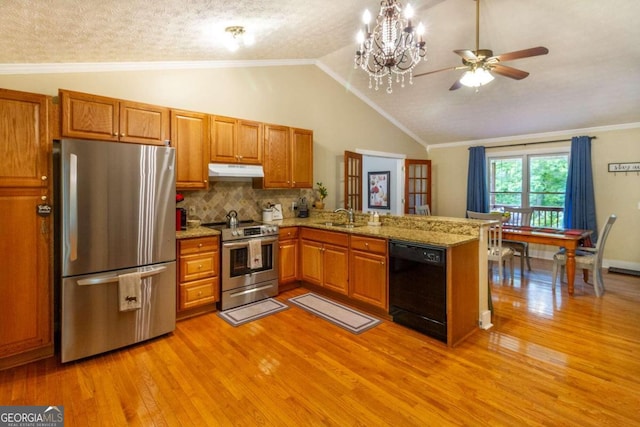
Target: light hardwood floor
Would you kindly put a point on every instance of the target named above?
(550, 359)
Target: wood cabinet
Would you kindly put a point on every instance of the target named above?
(288, 259)
(190, 137)
(324, 259)
(25, 237)
(88, 116)
(301, 158)
(368, 272)
(198, 274)
(288, 158)
(236, 141)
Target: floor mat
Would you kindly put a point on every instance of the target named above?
(338, 314)
(246, 313)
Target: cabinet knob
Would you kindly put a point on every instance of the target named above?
(199, 293)
(122, 134)
(199, 266)
(381, 262)
(43, 197)
(115, 134)
(199, 245)
(43, 177)
(366, 244)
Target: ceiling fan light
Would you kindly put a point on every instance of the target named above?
(476, 78)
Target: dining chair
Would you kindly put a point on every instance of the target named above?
(423, 210)
(519, 217)
(496, 251)
(586, 259)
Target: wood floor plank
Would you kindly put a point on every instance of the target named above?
(549, 359)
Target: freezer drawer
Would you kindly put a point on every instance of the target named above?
(91, 322)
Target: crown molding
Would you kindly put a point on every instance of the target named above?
(538, 136)
(95, 67)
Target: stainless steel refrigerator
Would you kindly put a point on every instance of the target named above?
(115, 255)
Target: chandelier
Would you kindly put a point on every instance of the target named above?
(394, 47)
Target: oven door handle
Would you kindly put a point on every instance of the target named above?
(245, 243)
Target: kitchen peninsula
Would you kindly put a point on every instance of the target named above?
(360, 254)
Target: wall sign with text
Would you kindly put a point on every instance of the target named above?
(624, 167)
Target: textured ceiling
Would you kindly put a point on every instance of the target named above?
(590, 78)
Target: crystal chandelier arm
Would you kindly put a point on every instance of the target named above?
(393, 47)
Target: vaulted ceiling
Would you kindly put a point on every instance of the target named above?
(589, 79)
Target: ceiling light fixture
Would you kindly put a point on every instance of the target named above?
(235, 35)
(476, 77)
(394, 47)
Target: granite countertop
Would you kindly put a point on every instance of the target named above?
(439, 231)
(385, 231)
(190, 233)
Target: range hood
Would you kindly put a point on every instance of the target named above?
(223, 170)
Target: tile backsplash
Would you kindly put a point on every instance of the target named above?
(212, 205)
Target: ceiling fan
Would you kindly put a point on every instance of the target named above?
(480, 63)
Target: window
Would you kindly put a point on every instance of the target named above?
(530, 180)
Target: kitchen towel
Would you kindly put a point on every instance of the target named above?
(130, 291)
(254, 255)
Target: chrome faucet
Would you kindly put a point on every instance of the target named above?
(349, 212)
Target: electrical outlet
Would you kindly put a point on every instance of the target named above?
(294, 206)
(192, 210)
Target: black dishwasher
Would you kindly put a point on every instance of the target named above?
(418, 287)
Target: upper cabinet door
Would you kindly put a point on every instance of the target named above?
(301, 158)
(23, 139)
(236, 141)
(190, 137)
(223, 139)
(276, 157)
(249, 142)
(87, 116)
(143, 123)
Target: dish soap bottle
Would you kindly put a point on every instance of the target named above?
(376, 217)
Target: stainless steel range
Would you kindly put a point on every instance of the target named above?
(249, 270)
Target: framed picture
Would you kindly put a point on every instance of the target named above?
(378, 190)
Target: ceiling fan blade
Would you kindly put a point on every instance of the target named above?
(525, 53)
(437, 71)
(456, 85)
(467, 54)
(512, 73)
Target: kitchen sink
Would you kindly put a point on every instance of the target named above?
(339, 224)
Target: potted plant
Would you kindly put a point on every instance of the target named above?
(322, 190)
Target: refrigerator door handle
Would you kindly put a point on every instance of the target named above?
(73, 207)
(114, 279)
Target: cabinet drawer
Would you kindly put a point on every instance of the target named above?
(198, 266)
(369, 244)
(197, 246)
(199, 292)
(340, 239)
(288, 233)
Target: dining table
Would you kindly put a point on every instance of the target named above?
(569, 239)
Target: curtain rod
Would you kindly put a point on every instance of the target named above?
(533, 143)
